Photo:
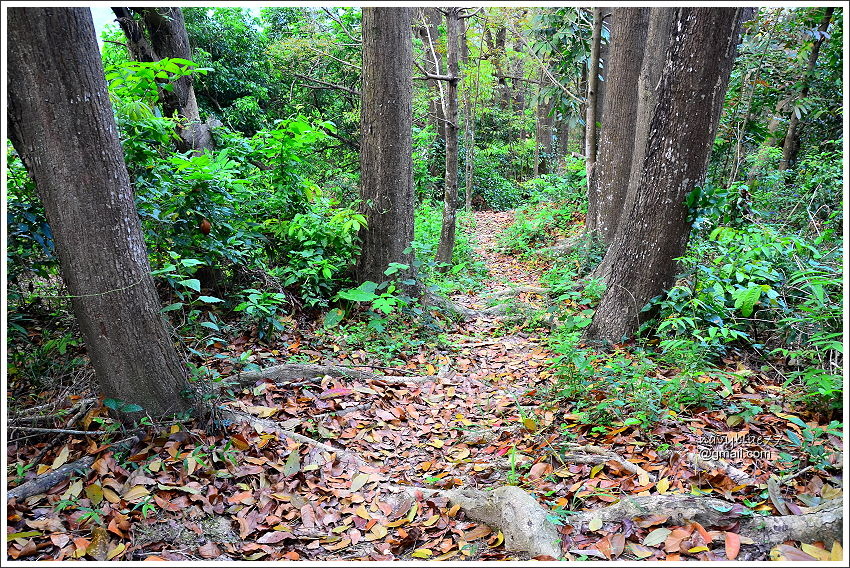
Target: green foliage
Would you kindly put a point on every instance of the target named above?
(466, 271)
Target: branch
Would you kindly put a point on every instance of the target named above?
(343, 26)
(327, 85)
(319, 51)
(463, 17)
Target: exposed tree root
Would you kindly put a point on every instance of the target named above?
(509, 509)
(601, 455)
(274, 427)
(823, 523)
(517, 291)
(290, 374)
(738, 476)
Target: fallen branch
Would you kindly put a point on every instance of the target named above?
(522, 520)
(738, 476)
(45, 481)
(291, 374)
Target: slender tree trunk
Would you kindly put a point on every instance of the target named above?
(617, 139)
(590, 121)
(653, 231)
(447, 234)
(167, 38)
(470, 126)
(386, 164)
(68, 141)
(790, 146)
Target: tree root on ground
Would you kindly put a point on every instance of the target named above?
(43, 482)
(291, 374)
(564, 246)
(595, 454)
(509, 509)
(517, 292)
(822, 523)
(738, 476)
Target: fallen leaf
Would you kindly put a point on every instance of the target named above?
(61, 459)
(293, 463)
(422, 553)
(359, 481)
(656, 537)
(618, 544)
(98, 548)
(209, 550)
(733, 545)
(640, 551)
(135, 493)
(663, 485)
(595, 524)
(815, 551)
(117, 551)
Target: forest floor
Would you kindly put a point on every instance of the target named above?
(318, 468)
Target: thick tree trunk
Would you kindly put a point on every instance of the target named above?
(68, 140)
(791, 144)
(386, 165)
(167, 38)
(653, 231)
(617, 140)
(447, 233)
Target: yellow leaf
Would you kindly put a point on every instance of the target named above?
(379, 530)
(530, 424)
(643, 478)
(362, 512)
(397, 523)
(430, 369)
(95, 493)
(837, 553)
(500, 538)
(437, 443)
(595, 524)
(262, 411)
(98, 548)
(453, 511)
(422, 553)
(663, 485)
(596, 469)
(61, 458)
(73, 490)
(111, 496)
(818, 553)
(135, 493)
(431, 521)
(460, 454)
(359, 481)
(412, 513)
(698, 549)
(42, 468)
(447, 555)
(116, 551)
(191, 464)
(829, 492)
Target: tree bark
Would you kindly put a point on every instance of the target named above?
(592, 219)
(386, 164)
(652, 231)
(67, 138)
(791, 145)
(617, 140)
(469, 131)
(167, 38)
(447, 233)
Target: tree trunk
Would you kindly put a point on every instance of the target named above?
(653, 231)
(604, 58)
(791, 144)
(447, 233)
(470, 121)
(617, 140)
(68, 140)
(167, 38)
(386, 165)
(590, 121)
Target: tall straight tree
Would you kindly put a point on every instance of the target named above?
(653, 232)
(166, 37)
(447, 232)
(610, 183)
(68, 141)
(590, 110)
(386, 163)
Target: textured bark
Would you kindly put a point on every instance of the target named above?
(386, 165)
(68, 141)
(791, 144)
(543, 151)
(447, 233)
(469, 131)
(617, 140)
(167, 38)
(590, 110)
(652, 231)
